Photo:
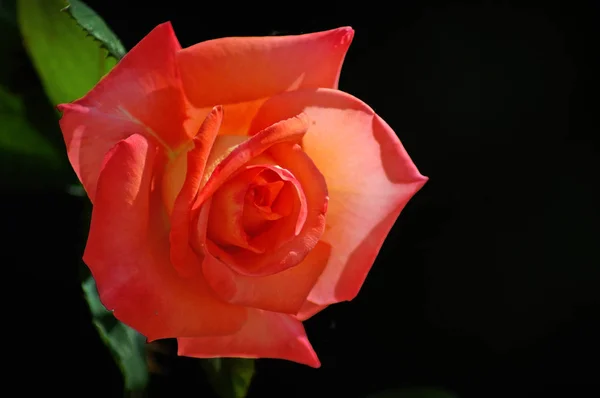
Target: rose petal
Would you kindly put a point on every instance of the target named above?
(218, 71)
(265, 335)
(290, 200)
(284, 292)
(183, 258)
(226, 220)
(308, 310)
(369, 175)
(128, 253)
(291, 253)
(237, 69)
(220, 169)
(142, 95)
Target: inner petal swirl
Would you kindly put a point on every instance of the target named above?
(259, 209)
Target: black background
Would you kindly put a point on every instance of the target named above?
(488, 283)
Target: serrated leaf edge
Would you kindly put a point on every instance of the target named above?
(101, 43)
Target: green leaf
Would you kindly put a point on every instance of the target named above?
(230, 377)
(67, 59)
(95, 26)
(417, 392)
(126, 345)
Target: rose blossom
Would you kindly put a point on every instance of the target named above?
(236, 192)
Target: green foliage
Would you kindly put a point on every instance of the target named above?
(230, 377)
(126, 345)
(68, 60)
(95, 26)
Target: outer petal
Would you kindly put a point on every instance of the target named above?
(284, 292)
(308, 310)
(265, 335)
(128, 254)
(142, 95)
(237, 69)
(242, 72)
(369, 175)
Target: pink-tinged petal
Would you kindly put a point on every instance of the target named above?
(265, 335)
(369, 175)
(183, 258)
(308, 310)
(141, 95)
(128, 254)
(239, 69)
(284, 292)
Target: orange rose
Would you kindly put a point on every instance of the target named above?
(236, 191)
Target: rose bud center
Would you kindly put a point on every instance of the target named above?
(258, 210)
